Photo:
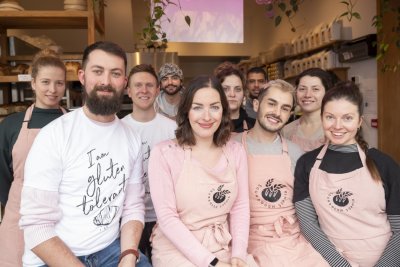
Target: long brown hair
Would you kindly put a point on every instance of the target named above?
(350, 92)
(184, 132)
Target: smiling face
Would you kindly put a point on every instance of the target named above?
(143, 90)
(171, 84)
(274, 110)
(104, 81)
(309, 94)
(205, 113)
(340, 121)
(233, 89)
(49, 87)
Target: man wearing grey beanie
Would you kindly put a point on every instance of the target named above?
(171, 79)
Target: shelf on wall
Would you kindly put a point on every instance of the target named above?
(71, 77)
(308, 51)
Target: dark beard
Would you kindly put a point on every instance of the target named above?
(100, 105)
(178, 89)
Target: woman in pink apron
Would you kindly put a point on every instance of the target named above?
(17, 133)
(198, 184)
(232, 81)
(347, 195)
(311, 86)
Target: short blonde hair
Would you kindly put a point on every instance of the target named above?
(281, 85)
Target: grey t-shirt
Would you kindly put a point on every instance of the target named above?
(274, 148)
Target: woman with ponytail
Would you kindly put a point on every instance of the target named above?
(17, 133)
(346, 194)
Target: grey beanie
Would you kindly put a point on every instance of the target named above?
(170, 69)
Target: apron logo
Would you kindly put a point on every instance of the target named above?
(218, 196)
(340, 200)
(273, 195)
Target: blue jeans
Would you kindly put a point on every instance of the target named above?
(108, 257)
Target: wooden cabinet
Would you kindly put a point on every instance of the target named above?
(92, 19)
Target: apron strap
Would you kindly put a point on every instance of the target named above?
(28, 116)
(187, 152)
(245, 127)
(320, 156)
(284, 145)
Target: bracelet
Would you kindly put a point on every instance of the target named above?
(129, 251)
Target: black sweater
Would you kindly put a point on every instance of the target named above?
(9, 131)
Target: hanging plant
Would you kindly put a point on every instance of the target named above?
(152, 34)
(286, 9)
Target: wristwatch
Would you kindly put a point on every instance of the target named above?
(213, 263)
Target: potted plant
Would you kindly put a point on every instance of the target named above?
(152, 35)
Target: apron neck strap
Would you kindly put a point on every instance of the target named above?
(28, 113)
(321, 155)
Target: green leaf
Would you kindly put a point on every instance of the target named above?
(282, 6)
(288, 13)
(356, 15)
(278, 20)
(295, 8)
(188, 20)
(344, 14)
(269, 7)
(344, 2)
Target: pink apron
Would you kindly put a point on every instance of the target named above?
(11, 237)
(351, 212)
(203, 200)
(306, 144)
(275, 238)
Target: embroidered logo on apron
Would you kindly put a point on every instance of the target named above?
(340, 200)
(218, 198)
(273, 195)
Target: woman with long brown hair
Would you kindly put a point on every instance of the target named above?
(346, 194)
(199, 186)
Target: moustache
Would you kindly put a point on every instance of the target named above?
(274, 116)
(104, 88)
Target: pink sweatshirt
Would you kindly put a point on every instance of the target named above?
(165, 166)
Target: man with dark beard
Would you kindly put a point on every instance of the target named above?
(275, 238)
(82, 199)
(171, 85)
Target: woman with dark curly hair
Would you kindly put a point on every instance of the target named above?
(199, 187)
(232, 81)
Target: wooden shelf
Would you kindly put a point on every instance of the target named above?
(67, 19)
(14, 78)
(332, 44)
(65, 57)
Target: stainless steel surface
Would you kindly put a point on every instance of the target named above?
(156, 59)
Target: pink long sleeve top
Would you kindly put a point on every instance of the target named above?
(165, 166)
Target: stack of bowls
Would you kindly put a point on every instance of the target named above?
(75, 5)
(8, 5)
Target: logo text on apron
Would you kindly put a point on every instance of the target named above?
(219, 197)
(340, 200)
(272, 195)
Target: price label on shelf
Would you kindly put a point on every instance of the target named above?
(24, 77)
